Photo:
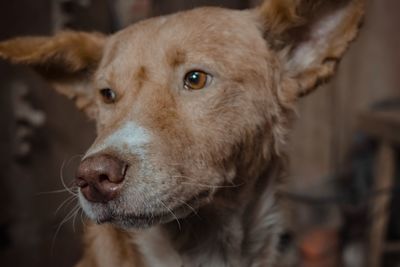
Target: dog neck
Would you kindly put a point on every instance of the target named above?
(243, 229)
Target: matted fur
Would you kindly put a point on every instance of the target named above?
(206, 165)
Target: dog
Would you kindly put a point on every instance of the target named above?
(192, 112)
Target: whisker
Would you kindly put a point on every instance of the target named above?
(58, 191)
(70, 214)
(69, 200)
(175, 164)
(66, 219)
(206, 185)
(66, 163)
(211, 186)
(173, 214)
(74, 219)
(82, 219)
(62, 179)
(74, 157)
(190, 207)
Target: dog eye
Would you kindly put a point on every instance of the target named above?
(108, 95)
(196, 80)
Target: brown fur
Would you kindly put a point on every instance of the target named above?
(215, 157)
(102, 251)
(176, 57)
(290, 23)
(68, 58)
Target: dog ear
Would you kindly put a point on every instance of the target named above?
(67, 60)
(311, 36)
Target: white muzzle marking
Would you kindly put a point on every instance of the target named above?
(130, 139)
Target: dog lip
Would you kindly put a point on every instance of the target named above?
(104, 218)
(145, 217)
(132, 219)
(150, 219)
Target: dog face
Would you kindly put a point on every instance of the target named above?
(189, 107)
(183, 107)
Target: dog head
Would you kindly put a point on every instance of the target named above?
(191, 104)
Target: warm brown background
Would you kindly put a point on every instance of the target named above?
(370, 72)
(321, 137)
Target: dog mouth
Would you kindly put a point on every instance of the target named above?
(133, 220)
(145, 220)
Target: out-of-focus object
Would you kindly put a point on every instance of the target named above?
(27, 118)
(62, 12)
(320, 248)
(382, 123)
(126, 12)
(317, 224)
(354, 255)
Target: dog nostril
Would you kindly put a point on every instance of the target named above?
(103, 177)
(80, 182)
(124, 169)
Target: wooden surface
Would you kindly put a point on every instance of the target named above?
(379, 216)
(328, 118)
(382, 124)
(29, 223)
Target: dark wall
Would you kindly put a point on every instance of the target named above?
(165, 7)
(32, 155)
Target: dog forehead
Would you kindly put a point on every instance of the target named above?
(201, 27)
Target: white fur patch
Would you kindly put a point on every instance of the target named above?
(309, 52)
(86, 206)
(130, 138)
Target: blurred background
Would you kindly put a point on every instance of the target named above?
(344, 149)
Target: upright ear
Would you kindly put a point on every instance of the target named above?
(67, 60)
(310, 37)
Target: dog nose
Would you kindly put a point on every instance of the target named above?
(100, 177)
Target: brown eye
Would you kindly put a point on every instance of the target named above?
(196, 80)
(108, 95)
